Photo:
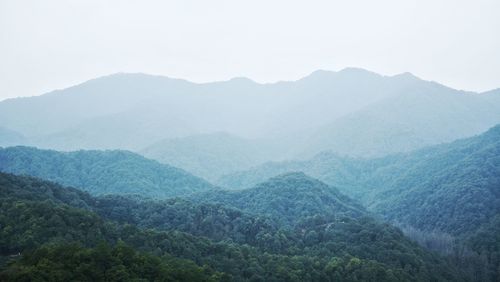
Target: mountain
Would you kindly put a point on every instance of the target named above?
(113, 131)
(226, 104)
(341, 172)
(425, 114)
(41, 223)
(212, 155)
(102, 172)
(318, 112)
(62, 109)
(451, 187)
(454, 187)
(9, 137)
(287, 198)
(43, 237)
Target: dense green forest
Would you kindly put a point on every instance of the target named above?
(72, 262)
(40, 217)
(447, 197)
(102, 172)
(288, 198)
(287, 227)
(486, 242)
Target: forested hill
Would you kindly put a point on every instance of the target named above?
(36, 213)
(451, 187)
(43, 239)
(288, 198)
(102, 172)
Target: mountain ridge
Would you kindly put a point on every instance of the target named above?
(352, 111)
(426, 182)
(102, 172)
(287, 197)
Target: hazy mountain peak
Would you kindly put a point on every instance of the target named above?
(135, 76)
(134, 110)
(241, 79)
(346, 74)
(406, 75)
(357, 72)
(321, 73)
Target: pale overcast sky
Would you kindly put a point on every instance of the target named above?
(46, 45)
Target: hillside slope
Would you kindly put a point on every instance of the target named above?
(213, 155)
(378, 251)
(102, 172)
(425, 115)
(287, 198)
(451, 187)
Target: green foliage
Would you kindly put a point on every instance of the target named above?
(36, 212)
(448, 196)
(214, 221)
(72, 262)
(486, 242)
(355, 269)
(102, 172)
(287, 198)
(453, 188)
(318, 236)
(29, 224)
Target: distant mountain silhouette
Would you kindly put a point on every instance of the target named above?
(213, 155)
(9, 137)
(352, 111)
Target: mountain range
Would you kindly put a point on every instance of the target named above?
(338, 176)
(323, 249)
(452, 188)
(351, 112)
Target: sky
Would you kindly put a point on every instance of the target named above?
(47, 45)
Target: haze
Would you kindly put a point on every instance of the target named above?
(250, 141)
(55, 44)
